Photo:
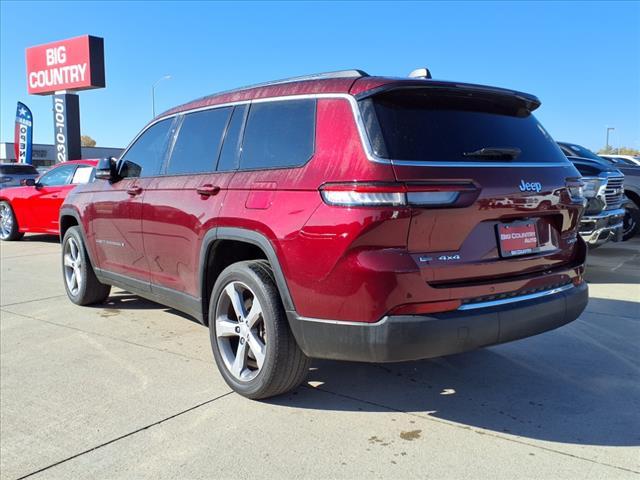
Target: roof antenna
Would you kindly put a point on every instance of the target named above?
(420, 73)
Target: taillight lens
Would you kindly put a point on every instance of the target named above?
(360, 194)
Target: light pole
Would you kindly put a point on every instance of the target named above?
(607, 144)
(153, 94)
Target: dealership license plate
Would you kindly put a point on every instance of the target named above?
(517, 238)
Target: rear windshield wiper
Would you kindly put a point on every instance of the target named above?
(496, 153)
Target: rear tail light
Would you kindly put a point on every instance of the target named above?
(363, 194)
(360, 194)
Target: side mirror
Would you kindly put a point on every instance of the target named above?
(106, 169)
(29, 182)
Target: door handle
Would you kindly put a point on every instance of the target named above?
(135, 190)
(208, 190)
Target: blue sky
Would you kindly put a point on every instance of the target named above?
(581, 58)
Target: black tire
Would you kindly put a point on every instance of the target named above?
(88, 289)
(9, 230)
(631, 221)
(284, 366)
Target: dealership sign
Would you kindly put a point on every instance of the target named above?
(72, 64)
(22, 142)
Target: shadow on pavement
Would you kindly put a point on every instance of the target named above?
(579, 384)
(615, 263)
(36, 237)
(128, 301)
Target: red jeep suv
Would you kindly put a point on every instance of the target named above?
(339, 216)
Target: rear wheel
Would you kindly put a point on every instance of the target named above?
(631, 224)
(8, 223)
(80, 281)
(250, 336)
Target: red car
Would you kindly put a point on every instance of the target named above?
(338, 216)
(35, 207)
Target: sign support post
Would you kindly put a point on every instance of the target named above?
(66, 124)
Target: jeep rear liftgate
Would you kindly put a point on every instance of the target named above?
(498, 213)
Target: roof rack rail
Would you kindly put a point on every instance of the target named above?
(316, 76)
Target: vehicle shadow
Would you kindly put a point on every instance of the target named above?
(123, 300)
(579, 384)
(37, 237)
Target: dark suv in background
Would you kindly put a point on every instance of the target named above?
(603, 219)
(338, 216)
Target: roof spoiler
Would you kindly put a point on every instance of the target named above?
(530, 102)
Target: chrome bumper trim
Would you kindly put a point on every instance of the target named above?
(618, 212)
(521, 298)
(593, 237)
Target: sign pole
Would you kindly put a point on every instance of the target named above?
(66, 123)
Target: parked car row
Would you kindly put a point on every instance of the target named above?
(338, 216)
(629, 160)
(612, 189)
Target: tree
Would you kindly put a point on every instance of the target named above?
(619, 151)
(87, 141)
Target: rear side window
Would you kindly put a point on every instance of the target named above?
(18, 169)
(146, 155)
(198, 144)
(432, 125)
(279, 134)
(230, 149)
(83, 174)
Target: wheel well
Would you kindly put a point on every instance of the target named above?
(633, 196)
(66, 221)
(220, 255)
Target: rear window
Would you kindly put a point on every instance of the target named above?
(279, 134)
(431, 125)
(579, 151)
(18, 169)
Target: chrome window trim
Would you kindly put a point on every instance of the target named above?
(520, 298)
(364, 139)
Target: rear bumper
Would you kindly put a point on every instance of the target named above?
(403, 338)
(598, 229)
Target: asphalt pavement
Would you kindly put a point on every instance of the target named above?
(129, 390)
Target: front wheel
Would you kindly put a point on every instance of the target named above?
(252, 343)
(80, 281)
(8, 223)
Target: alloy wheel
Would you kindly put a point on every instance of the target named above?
(240, 331)
(6, 221)
(72, 264)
